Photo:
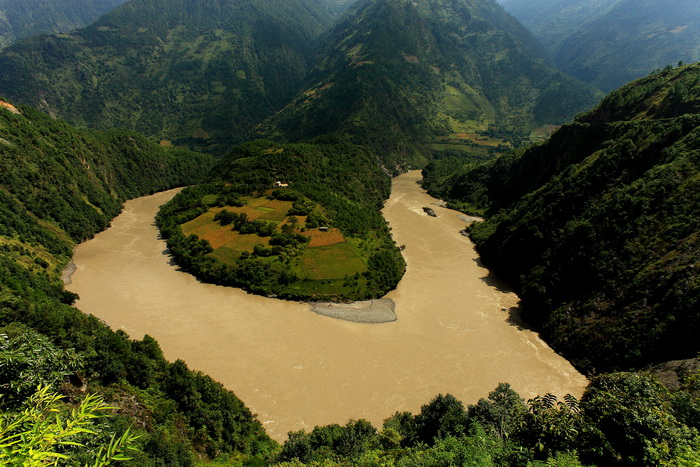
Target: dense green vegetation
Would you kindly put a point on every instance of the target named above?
(396, 75)
(59, 185)
(204, 74)
(200, 73)
(20, 19)
(76, 180)
(597, 229)
(622, 419)
(335, 184)
(42, 435)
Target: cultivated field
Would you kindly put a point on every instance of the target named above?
(327, 256)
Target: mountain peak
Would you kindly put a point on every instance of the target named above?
(394, 72)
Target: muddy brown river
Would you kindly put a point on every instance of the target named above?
(455, 331)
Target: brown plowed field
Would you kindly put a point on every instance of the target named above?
(318, 238)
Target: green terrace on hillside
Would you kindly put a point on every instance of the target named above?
(483, 141)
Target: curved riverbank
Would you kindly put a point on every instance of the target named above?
(298, 369)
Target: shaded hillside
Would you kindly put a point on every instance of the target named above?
(610, 42)
(20, 19)
(339, 6)
(552, 21)
(59, 185)
(76, 180)
(197, 72)
(597, 229)
(395, 73)
(631, 40)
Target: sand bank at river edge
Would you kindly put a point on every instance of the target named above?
(370, 311)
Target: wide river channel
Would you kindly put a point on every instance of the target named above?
(457, 330)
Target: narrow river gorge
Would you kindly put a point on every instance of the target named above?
(455, 332)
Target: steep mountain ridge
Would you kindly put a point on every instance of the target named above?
(610, 42)
(198, 72)
(203, 74)
(631, 40)
(395, 73)
(75, 181)
(20, 19)
(552, 21)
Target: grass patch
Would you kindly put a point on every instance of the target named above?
(201, 225)
(332, 262)
(209, 199)
(226, 254)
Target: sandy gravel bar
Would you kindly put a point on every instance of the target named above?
(370, 311)
(67, 273)
(469, 219)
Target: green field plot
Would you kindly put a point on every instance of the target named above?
(209, 199)
(239, 243)
(332, 262)
(201, 225)
(255, 202)
(226, 255)
(275, 210)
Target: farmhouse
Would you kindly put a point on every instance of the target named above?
(281, 184)
(323, 229)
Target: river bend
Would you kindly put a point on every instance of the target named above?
(296, 369)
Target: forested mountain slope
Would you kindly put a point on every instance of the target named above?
(203, 74)
(24, 18)
(58, 186)
(339, 6)
(76, 180)
(552, 21)
(634, 38)
(197, 72)
(597, 229)
(610, 42)
(394, 73)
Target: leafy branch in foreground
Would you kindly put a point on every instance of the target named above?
(43, 435)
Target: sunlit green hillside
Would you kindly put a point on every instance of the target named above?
(396, 73)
